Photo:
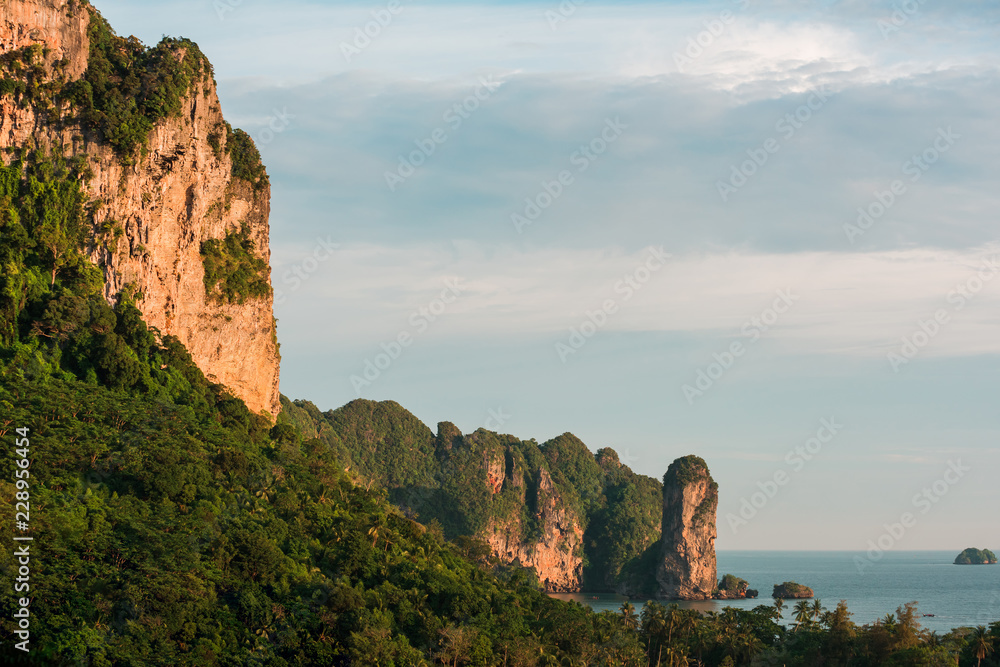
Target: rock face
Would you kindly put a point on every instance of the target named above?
(556, 550)
(61, 25)
(178, 193)
(686, 569)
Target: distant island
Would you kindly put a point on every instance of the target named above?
(973, 556)
(791, 590)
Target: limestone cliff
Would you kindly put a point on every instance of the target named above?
(555, 552)
(686, 569)
(526, 519)
(153, 208)
(550, 507)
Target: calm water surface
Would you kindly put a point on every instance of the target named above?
(956, 595)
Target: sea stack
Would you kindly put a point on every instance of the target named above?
(686, 568)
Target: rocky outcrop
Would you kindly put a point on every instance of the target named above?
(734, 588)
(176, 194)
(686, 569)
(556, 552)
(791, 591)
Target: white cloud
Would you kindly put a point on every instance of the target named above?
(765, 42)
(854, 304)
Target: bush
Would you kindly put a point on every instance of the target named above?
(233, 271)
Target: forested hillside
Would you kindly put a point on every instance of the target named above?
(495, 486)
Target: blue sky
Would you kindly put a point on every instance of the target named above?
(739, 138)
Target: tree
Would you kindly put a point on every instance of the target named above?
(630, 620)
(817, 610)
(908, 632)
(803, 613)
(455, 643)
(982, 644)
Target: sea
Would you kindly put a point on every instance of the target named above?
(948, 595)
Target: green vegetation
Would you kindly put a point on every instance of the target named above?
(442, 480)
(169, 538)
(622, 525)
(233, 270)
(973, 556)
(128, 87)
(247, 164)
(790, 589)
(732, 584)
(687, 470)
(43, 226)
(24, 76)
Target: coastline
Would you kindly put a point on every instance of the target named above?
(948, 596)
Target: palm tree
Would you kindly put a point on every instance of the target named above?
(702, 639)
(779, 604)
(687, 623)
(676, 657)
(817, 609)
(654, 626)
(803, 612)
(982, 644)
(379, 523)
(670, 619)
(630, 620)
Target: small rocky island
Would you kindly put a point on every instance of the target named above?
(733, 588)
(973, 556)
(791, 591)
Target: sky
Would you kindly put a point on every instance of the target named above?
(764, 233)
